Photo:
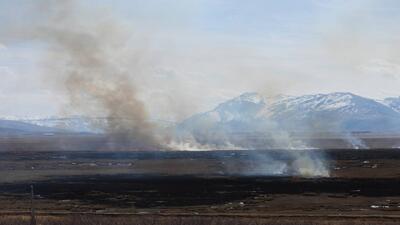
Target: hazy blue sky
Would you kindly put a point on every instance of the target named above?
(202, 52)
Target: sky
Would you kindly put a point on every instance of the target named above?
(198, 53)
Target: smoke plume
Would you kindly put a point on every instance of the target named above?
(90, 48)
(87, 57)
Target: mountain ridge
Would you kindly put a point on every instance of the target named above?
(338, 111)
(252, 112)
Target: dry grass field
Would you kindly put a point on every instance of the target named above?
(212, 187)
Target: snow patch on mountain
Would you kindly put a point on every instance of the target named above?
(252, 112)
(393, 103)
(18, 127)
(336, 112)
(73, 124)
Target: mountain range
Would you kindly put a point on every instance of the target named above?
(12, 127)
(334, 112)
(252, 112)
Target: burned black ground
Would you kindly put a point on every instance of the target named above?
(362, 182)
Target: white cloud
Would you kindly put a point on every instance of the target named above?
(2, 47)
(380, 67)
(5, 71)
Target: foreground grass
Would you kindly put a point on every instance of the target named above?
(149, 220)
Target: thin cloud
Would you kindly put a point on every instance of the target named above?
(3, 47)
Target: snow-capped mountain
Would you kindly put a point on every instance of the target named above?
(81, 124)
(393, 103)
(335, 112)
(18, 127)
(252, 113)
(72, 124)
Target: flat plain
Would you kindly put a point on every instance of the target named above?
(363, 186)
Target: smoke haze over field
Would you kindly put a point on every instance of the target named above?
(85, 61)
(140, 61)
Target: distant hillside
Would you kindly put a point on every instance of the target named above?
(278, 117)
(18, 127)
(335, 112)
(253, 113)
(71, 124)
